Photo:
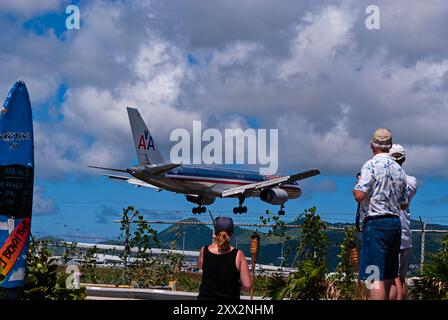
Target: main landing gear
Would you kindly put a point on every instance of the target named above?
(199, 210)
(240, 209)
(281, 212)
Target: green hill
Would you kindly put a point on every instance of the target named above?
(197, 236)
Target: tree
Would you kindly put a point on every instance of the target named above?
(433, 281)
(345, 278)
(309, 281)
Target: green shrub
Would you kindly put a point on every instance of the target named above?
(433, 281)
(43, 281)
(309, 281)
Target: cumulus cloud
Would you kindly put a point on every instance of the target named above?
(43, 205)
(106, 214)
(29, 8)
(312, 70)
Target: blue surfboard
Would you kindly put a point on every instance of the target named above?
(16, 189)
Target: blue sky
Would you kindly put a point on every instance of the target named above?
(313, 72)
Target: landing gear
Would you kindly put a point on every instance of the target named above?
(199, 210)
(281, 212)
(240, 209)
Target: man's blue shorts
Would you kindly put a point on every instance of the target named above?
(380, 248)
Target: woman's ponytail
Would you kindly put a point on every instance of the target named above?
(223, 241)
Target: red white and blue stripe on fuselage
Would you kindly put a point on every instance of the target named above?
(213, 180)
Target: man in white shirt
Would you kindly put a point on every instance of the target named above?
(381, 191)
(398, 153)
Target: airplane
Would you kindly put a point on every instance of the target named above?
(202, 184)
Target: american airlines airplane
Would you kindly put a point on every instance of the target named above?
(203, 184)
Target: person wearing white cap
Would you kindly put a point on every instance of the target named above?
(381, 191)
(398, 153)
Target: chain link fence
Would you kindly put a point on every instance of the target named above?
(278, 243)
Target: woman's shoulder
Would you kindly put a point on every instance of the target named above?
(239, 254)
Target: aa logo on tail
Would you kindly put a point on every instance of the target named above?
(146, 142)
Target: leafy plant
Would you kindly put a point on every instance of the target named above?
(43, 281)
(345, 278)
(278, 230)
(69, 252)
(433, 281)
(145, 269)
(313, 238)
(88, 265)
(309, 281)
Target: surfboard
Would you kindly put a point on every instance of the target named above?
(16, 189)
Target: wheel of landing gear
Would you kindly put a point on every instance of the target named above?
(193, 210)
(235, 210)
(244, 209)
(203, 209)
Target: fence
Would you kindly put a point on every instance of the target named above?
(278, 243)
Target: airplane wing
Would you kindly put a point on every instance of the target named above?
(109, 169)
(160, 168)
(270, 183)
(136, 182)
(151, 169)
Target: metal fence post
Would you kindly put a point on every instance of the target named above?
(422, 245)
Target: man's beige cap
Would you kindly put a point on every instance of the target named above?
(382, 137)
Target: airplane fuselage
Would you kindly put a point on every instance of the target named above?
(208, 182)
(203, 184)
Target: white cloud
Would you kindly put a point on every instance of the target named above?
(29, 8)
(43, 205)
(315, 45)
(313, 71)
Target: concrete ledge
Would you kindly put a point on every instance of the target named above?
(100, 292)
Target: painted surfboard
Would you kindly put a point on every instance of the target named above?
(16, 189)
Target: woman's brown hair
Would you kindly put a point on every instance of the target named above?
(223, 241)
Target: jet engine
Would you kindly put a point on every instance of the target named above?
(274, 196)
(201, 201)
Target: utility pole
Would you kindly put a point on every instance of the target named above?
(282, 256)
(183, 241)
(422, 247)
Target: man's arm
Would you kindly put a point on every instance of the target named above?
(359, 195)
(364, 183)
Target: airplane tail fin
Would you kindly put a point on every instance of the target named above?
(147, 151)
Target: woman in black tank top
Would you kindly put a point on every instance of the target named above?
(224, 268)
